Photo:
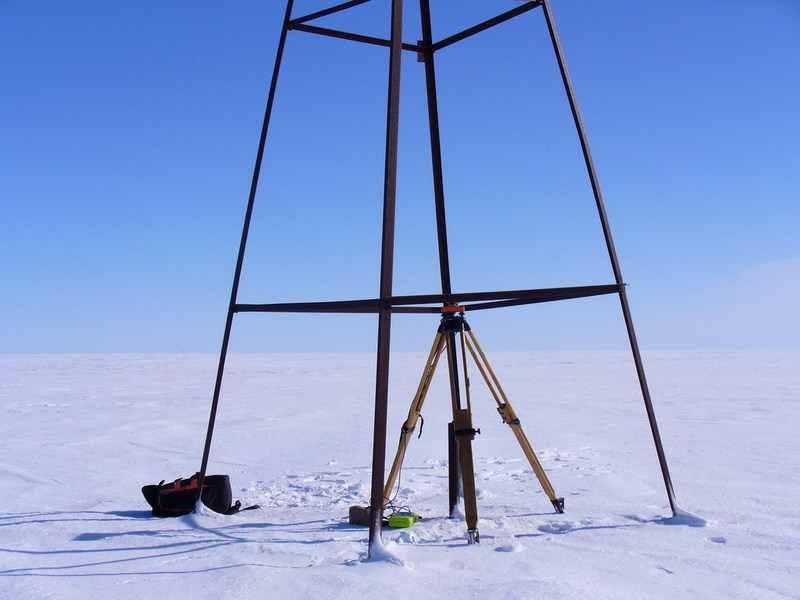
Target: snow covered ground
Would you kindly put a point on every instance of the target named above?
(81, 434)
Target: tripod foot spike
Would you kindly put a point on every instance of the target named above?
(558, 504)
(473, 537)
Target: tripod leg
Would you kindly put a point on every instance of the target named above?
(410, 423)
(464, 434)
(454, 470)
(510, 418)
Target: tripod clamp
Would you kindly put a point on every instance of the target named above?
(469, 431)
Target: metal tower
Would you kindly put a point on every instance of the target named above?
(386, 303)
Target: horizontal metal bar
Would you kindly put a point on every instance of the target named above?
(326, 12)
(534, 300)
(413, 304)
(339, 306)
(299, 24)
(543, 295)
(354, 37)
(514, 12)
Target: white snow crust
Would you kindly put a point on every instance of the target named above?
(81, 434)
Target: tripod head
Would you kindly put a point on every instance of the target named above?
(452, 322)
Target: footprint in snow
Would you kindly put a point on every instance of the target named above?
(556, 527)
(510, 546)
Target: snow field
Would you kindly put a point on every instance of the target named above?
(82, 434)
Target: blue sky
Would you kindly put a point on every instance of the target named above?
(128, 133)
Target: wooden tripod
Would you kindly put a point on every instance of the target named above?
(453, 323)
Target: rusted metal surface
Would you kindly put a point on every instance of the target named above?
(242, 246)
(612, 253)
(387, 265)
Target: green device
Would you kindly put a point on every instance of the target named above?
(403, 519)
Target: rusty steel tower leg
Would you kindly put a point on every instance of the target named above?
(387, 261)
(427, 55)
(612, 253)
(242, 246)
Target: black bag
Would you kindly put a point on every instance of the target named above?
(178, 498)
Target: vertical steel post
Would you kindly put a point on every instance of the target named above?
(441, 225)
(243, 245)
(562, 65)
(436, 147)
(387, 265)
